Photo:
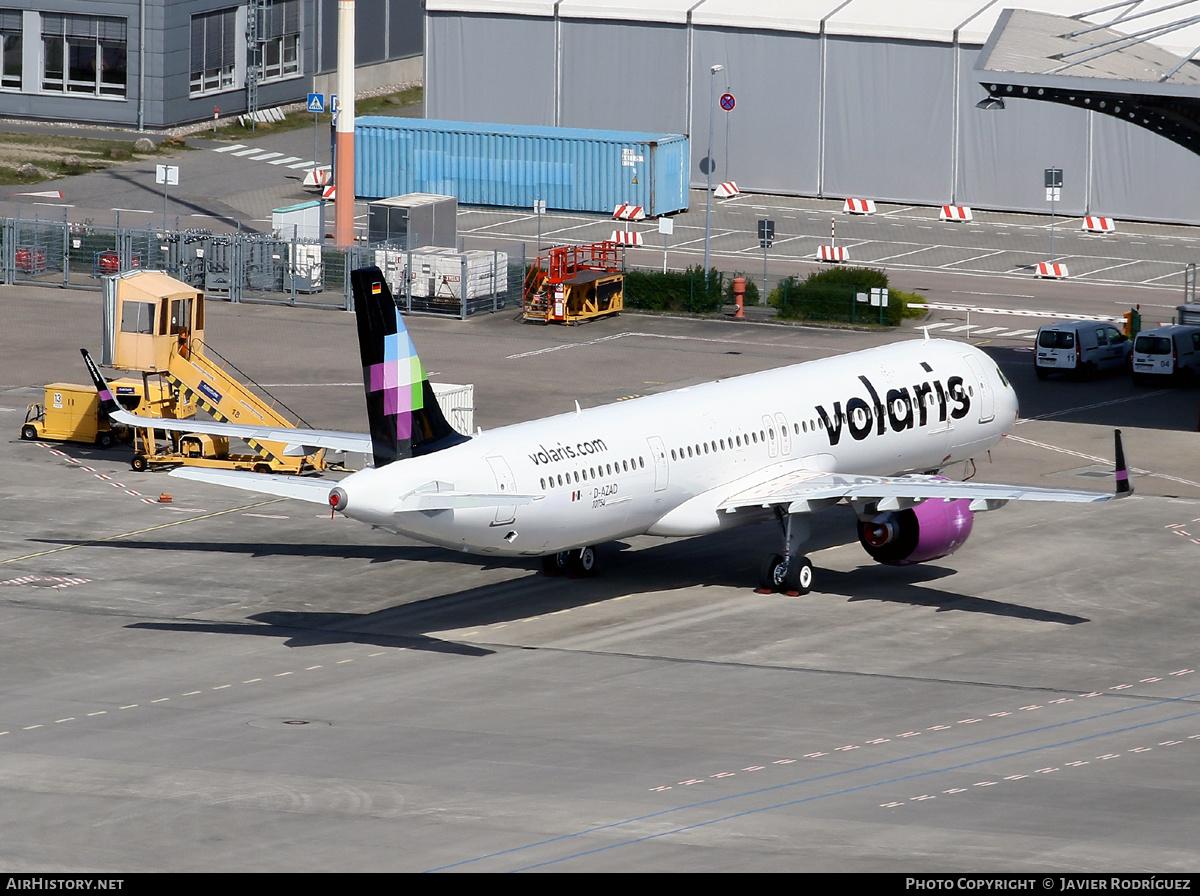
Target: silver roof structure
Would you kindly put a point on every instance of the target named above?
(1120, 71)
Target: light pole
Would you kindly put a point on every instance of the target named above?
(712, 87)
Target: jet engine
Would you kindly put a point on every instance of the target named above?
(932, 529)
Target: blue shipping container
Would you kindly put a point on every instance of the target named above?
(572, 169)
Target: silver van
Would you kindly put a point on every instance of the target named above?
(1171, 351)
(1082, 347)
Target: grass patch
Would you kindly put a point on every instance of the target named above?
(389, 104)
(61, 156)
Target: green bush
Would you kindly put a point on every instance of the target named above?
(689, 291)
(832, 294)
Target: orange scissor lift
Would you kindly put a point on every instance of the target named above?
(575, 283)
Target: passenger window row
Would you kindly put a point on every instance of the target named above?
(593, 473)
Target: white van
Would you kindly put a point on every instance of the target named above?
(1082, 347)
(1171, 351)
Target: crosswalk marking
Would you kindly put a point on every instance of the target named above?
(254, 150)
(304, 165)
(285, 160)
(230, 148)
(268, 155)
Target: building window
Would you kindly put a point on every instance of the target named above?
(281, 40)
(10, 48)
(214, 51)
(82, 54)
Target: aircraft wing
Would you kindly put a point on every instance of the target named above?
(802, 490)
(313, 489)
(299, 442)
(430, 497)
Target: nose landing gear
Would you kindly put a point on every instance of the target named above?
(790, 573)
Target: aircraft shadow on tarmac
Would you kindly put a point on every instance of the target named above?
(716, 560)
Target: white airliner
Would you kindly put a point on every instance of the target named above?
(871, 429)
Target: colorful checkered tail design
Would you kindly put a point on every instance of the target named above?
(403, 413)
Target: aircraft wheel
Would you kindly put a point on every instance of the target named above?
(771, 574)
(554, 564)
(29, 432)
(139, 463)
(582, 563)
(799, 577)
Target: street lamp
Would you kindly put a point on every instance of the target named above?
(712, 93)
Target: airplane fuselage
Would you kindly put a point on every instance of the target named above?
(662, 464)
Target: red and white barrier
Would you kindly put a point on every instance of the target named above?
(1092, 224)
(727, 190)
(833, 253)
(1051, 270)
(955, 213)
(859, 207)
(629, 213)
(317, 177)
(626, 238)
(330, 192)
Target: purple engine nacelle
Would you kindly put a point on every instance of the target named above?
(932, 529)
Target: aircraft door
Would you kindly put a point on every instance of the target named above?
(984, 393)
(658, 455)
(506, 484)
(785, 439)
(772, 436)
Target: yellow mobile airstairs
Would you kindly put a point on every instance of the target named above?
(154, 324)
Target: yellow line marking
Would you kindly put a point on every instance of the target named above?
(97, 541)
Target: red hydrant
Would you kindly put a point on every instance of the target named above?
(739, 294)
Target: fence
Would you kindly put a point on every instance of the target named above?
(251, 267)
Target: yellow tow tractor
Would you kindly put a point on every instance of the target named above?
(154, 324)
(71, 412)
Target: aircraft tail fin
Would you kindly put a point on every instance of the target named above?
(108, 402)
(402, 410)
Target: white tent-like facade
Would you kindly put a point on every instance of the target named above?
(834, 98)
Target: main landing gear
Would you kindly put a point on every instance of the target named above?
(579, 563)
(790, 573)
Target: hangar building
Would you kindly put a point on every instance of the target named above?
(833, 98)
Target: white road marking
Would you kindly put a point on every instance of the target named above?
(231, 148)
